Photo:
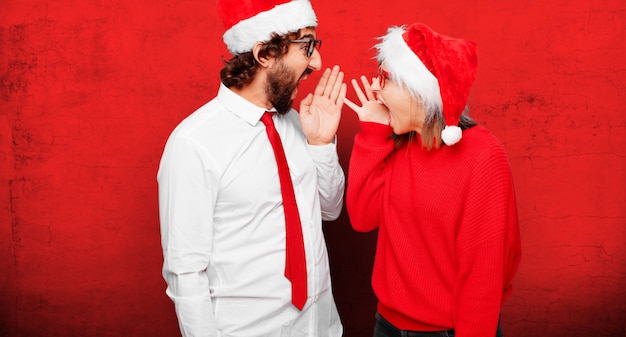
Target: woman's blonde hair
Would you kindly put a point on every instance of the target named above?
(432, 127)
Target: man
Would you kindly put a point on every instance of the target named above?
(226, 198)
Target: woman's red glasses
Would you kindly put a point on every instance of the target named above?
(382, 77)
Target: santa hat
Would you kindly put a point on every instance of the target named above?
(252, 21)
(437, 68)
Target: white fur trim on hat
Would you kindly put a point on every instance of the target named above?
(407, 69)
(282, 19)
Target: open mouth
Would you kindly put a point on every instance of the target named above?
(379, 100)
(306, 74)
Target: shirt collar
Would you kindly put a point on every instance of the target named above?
(239, 106)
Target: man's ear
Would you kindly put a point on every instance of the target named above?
(263, 61)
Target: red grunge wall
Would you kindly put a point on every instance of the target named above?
(90, 90)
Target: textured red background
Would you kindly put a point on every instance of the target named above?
(90, 90)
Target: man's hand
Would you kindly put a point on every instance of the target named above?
(320, 112)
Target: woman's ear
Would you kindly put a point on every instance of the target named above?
(262, 61)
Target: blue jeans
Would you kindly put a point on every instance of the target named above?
(385, 329)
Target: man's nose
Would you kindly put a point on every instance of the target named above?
(315, 62)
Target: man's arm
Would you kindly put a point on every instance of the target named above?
(330, 180)
(187, 196)
(319, 115)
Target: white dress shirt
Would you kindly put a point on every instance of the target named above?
(223, 225)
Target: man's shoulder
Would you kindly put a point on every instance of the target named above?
(204, 118)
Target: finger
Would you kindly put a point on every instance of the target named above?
(351, 105)
(342, 95)
(319, 90)
(358, 91)
(368, 89)
(332, 79)
(337, 87)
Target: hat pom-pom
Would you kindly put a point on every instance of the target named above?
(451, 134)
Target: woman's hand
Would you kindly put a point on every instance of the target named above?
(371, 110)
(320, 112)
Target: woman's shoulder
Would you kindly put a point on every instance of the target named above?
(480, 142)
(480, 135)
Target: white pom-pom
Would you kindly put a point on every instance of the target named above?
(451, 134)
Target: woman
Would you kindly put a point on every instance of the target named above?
(437, 186)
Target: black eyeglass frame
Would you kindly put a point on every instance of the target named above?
(312, 44)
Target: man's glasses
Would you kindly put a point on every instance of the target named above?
(311, 45)
(382, 77)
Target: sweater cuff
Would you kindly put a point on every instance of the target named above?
(375, 133)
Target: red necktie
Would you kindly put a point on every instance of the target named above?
(295, 265)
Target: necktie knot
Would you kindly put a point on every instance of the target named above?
(267, 118)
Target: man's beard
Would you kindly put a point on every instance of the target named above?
(280, 87)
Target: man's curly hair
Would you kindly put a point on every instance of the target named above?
(241, 69)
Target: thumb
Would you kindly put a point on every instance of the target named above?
(306, 102)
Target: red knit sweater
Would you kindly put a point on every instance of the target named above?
(448, 240)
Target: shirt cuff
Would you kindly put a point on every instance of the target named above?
(324, 153)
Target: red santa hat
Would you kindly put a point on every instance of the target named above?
(252, 21)
(436, 68)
